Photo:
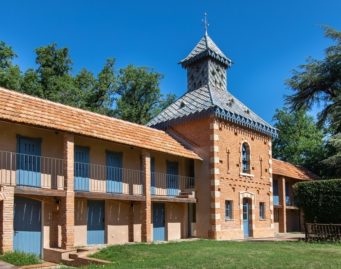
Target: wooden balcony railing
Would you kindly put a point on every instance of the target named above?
(44, 172)
(170, 185)
(91, 177)
(31, 171)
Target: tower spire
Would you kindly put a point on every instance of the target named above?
(205, 22)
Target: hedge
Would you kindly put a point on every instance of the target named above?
(320, 200)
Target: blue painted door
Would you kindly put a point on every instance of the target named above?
(27, 226)
(28, 162)
(172, 178)
(246, 218)
(158, 222)
(152, 177)
(82, 168)
(114, 172)
(96, 226)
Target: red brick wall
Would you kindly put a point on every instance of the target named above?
(234, 185)
(219, 177)
(198, 133)
(7, 217)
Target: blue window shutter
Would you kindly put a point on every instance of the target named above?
(172, 178)
(28, 162)
(114, 172)
(82, 168)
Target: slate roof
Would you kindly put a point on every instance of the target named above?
(209, 99)
(206, 47)
(290, 170)
(21, 108)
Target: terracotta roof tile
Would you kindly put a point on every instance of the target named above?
(290, 170)
(22, 108)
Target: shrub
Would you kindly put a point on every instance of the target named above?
(20, 258)
(320, 200)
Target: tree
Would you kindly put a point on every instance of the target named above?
(139, 94)
(300, 142)
(10, 75)
(54, 66)
(101, 97)
(333, 161)
(98, 93)
(319, 81)
(134, 96)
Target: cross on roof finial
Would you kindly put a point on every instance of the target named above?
(205, 21)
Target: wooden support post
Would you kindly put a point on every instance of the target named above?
(283, 207)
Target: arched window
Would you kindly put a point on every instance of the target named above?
(246, 158)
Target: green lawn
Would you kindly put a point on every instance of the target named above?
(223, 254)
(20, 258)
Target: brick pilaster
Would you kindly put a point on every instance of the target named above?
(7, 219)
(131, 222)
(68, 202)
(215, 182)
(146, 207)
(283, 207)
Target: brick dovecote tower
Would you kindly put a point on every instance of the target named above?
(234, 180)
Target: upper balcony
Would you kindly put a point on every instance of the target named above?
(44, 174)
(31, 171)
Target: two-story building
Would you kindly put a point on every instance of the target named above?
(73, 178)
(202, 168)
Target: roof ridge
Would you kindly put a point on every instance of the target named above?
(210, 94)
(78, 109)
(205, 36)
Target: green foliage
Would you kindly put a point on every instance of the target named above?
(320, 200)
(319, 82)
(10, 75)
(333, 162)
(139, 94)
(136, 89)
(300, 142)
(20, 258)
(6, 55)
(100, 98)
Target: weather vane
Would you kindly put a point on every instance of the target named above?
(205, 22)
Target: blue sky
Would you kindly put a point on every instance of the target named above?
(265, 39)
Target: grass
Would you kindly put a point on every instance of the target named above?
(20, 258)
(222, 254)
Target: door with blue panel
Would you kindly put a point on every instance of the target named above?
(159, 222)
(27, 226)
(28, 162)
(246, 217)
(96, 225)
(82, 168)
(152, 177)
(172, 178)
(114, 172)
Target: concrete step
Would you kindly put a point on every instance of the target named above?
(68, 262)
